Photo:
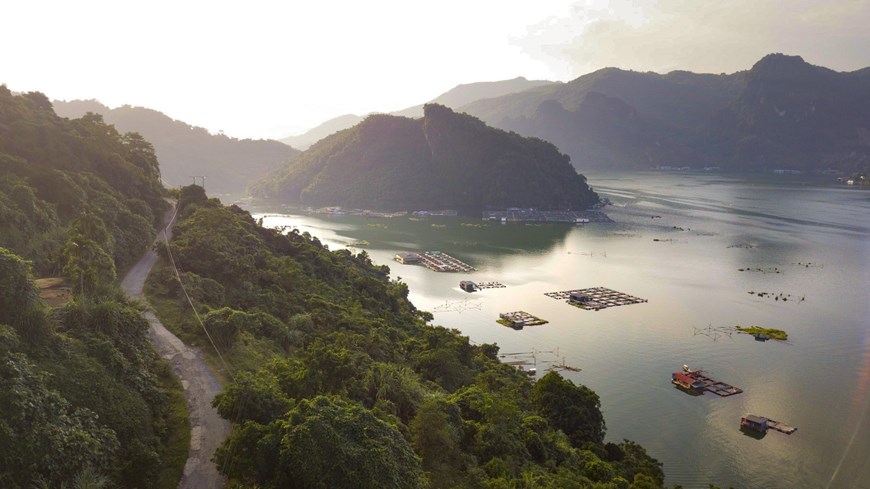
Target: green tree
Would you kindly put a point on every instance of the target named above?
(253, 397)
(327, 442)
(396, 386)
(436, 434)
(574, 409)
(89, 267)
(20, 305)
(224, 325)
(41, 433)
(89, 263)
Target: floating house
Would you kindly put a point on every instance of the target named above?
(519, 319)
(754, 423)
(760, 424)
(579, 296)
(408, 258)
(595, 298)
(686, 381)
(468, 286)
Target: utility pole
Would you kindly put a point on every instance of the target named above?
(194, 177)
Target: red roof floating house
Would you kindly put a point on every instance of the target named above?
(686, 381)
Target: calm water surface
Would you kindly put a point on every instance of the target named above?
(709, 227)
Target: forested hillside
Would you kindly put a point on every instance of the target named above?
(338, 381)
(444, 160)
(791, 114)
(782, 113)
(84, 397)
(229, 164)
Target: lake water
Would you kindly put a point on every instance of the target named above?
(709, 227)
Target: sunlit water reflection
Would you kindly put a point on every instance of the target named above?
(709, 227)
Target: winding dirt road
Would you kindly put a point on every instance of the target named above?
(207, 429)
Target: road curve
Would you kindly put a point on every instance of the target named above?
(207, 429)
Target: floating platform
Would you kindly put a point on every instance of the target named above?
(435, 261)
(524, 360)
(596, 298)
(714, 386)
(489, 285)
(534, 215)
(519, 319)
(469, 286)
(563, 366)
(442, 262)
(781, 427)
(761, 424)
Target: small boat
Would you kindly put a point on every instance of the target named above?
(761, 337)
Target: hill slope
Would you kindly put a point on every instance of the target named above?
(444, 160)
(345, 385)
(229, 164)
(83, 393)
(791, 114)
(783, 112)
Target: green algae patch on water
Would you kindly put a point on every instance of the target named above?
(772, 333)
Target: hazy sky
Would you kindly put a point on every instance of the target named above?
(269, 69)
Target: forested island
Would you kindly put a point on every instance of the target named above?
(444, 160)
(333, 378)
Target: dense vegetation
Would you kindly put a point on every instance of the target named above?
(444, 160)
(338, 380)
(84, 397)
(229, 164)
(56, 172)
(782, 113)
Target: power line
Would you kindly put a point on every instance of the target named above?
(189, 301)
(202, 177)
(241, 404)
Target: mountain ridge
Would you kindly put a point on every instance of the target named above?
(444, 160)
(781, 113)
(459, 95)
(229, 164)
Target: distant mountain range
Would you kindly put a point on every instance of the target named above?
(443, 160)
(456, 97)
(229, 164)
(305, 140)
(782, 113)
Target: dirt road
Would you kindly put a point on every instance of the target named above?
(207, 429)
